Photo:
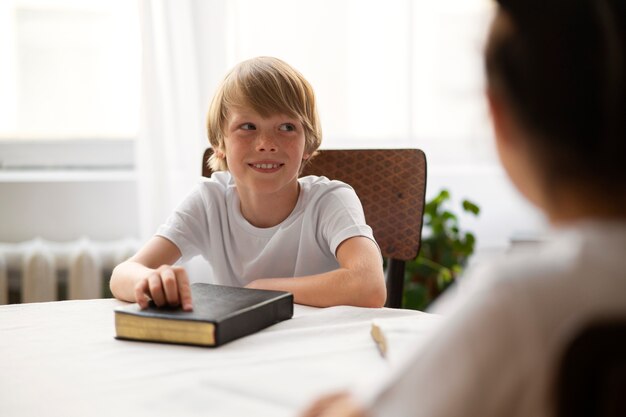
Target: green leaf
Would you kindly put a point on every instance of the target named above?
(444, 195)
(447, 215)
(444, 278)
(470, 207)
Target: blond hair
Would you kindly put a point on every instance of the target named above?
(268, 86)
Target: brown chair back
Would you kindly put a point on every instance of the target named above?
(391, 184)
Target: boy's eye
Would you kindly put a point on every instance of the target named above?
(287, 127)
(248, 126)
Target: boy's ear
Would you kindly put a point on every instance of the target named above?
(306, 155)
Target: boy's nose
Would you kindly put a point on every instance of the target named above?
(266, 143)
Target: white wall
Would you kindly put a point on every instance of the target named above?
(65, 206)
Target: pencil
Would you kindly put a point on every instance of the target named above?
(379, 338)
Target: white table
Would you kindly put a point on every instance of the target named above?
(61, 359)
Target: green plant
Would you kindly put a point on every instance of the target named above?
(443, 254)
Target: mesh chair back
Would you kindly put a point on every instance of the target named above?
(390, 184)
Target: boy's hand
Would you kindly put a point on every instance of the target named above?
(166, 285)
(334, 405)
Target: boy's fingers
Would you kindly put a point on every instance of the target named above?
(183, 289)
(141, 295)
(156, 289)
(170, 286)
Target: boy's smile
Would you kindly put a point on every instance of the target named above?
(266, 166)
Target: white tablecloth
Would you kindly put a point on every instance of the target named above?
(61, 359)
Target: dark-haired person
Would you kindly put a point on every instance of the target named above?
(557, 93)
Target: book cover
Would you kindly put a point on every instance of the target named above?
(220, 314)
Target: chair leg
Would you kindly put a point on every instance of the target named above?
(395, 282)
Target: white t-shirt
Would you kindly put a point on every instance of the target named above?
(209, 223)
(498, 350)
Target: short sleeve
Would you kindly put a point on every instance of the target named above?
(187, 227)
(341, 216)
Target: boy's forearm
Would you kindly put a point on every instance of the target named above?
(359, 280)
(338, 287)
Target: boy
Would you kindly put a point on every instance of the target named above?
(257, 224)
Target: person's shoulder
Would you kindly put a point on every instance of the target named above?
(524, 266)
(321, 192)
(315, 185)
(209, 192)
(219, 181)
(318, 181)
(500, 276)
(568, 254)
(550, 271)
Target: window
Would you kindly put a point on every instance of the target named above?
(387, 74)
(69, 74)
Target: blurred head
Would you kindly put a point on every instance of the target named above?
(268, 86)
(558, 68)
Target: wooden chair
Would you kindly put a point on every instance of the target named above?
(391, 184)
(592, 374)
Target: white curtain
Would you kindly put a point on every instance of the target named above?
(175, 79)
(401, 73)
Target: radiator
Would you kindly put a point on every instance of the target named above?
(41, 270)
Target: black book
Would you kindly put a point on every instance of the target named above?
(220, 314)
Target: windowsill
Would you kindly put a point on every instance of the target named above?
(68, 175)
(72, 155)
